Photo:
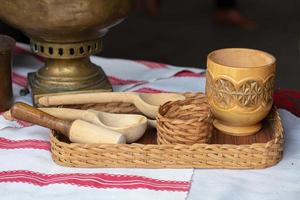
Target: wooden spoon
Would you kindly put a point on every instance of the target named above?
(147, 103)
(77, 131)
(131, 126)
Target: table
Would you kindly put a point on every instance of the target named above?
(27, 171)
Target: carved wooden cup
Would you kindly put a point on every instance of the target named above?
(239, 88)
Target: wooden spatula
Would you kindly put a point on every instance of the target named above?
(147, 103)
(77, 131)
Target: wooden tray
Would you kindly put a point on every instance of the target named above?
(251, 152)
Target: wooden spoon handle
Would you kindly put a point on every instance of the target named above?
(65, 113)
(30, 114)
(85, 98)
(73, 114)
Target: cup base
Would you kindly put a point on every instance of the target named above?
(237, 130)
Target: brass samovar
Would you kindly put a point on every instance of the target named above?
(66, 33)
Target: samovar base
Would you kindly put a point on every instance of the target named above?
(68, 69)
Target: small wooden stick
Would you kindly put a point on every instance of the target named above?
(85, 98)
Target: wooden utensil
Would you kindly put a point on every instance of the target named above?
(147, 103)
(130, 125)
(77, 131)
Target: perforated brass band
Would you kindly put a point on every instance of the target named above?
(66, 51)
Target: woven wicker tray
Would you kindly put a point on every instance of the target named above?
(259, 151)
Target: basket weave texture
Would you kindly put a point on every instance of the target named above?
(184, 122)
(249, 156)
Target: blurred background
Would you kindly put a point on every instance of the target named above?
(182, 33)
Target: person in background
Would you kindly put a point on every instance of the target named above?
(150, 6)
(227, 13)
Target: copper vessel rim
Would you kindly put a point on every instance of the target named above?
(271, 57)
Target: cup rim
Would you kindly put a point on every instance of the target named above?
(272, 62)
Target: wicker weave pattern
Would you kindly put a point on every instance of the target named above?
(257, 155)
(184, 122)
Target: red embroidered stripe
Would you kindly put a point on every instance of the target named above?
(23, 123)
(20, 50)
(20, 122)
(117, 81)
(95, 180)
(149, 90)
(19, 79)
(152, 65)
(288, 99)
(187, 73)
(24, 144)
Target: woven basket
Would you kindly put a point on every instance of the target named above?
(184, 122)
(230, 156)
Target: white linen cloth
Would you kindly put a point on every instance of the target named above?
(28, 172)
(281, 181)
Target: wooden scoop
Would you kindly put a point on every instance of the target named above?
(77, 131)
(131, 126)
(147, 103)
